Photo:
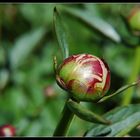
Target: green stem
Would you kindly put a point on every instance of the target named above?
(133, 77)
(64, 122)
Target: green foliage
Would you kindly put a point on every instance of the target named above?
(29, 97)
(61, 33)
(24, 46)
(95, 23)
(120, 90)
(85, 114)
(124, 119)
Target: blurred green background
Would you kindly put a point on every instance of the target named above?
(29, 96)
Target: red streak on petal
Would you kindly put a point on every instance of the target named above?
(69, 85)
(91, 89)
(85, 57)
(69, 59)
(96, 67)
(96, 70)
(105, 64)
(107, 83)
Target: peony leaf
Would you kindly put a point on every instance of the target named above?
(95, 23)
(123, 118)
(61, 33)
(118, 91)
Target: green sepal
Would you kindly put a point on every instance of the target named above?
(85, 114)
(58, 80)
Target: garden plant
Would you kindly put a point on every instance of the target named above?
(70, 70)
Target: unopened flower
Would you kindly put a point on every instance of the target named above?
(84, 76)
(7, 131)
(49, 92)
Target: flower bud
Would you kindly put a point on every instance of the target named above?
(49, 92)
(7, 131)
(134, 19)
(84, 76)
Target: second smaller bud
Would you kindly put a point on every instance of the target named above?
(134, 19)
(7, 130)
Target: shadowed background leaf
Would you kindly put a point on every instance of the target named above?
(124, 119)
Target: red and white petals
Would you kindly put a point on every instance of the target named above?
(7, 131)
(84, 76)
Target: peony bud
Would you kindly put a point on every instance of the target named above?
(7, 131)
(49, 92)
(134, 19)
(85, 76)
